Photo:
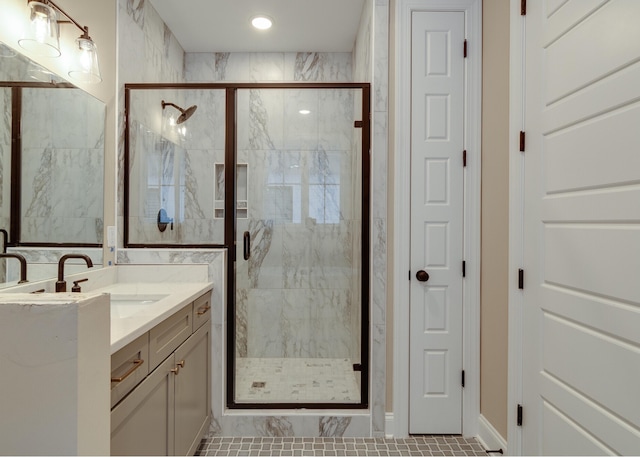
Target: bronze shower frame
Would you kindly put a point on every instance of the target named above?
(231, 90)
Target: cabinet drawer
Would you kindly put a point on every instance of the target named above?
(165, 337)
(129, 366)
(201, 310)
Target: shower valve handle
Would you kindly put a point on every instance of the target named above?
(247, 245)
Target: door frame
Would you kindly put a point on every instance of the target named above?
(398, 422)
(516, 224)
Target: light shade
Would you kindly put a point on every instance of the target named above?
(43, 35)
(85, 66)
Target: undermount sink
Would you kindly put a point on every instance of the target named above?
(125, 305)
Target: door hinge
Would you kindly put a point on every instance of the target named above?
(409, 275)
(462, 378)
(357, 124)
(357, 367)
(520, 278)
(522, 138)
(523, 7)
(519, 418)
(464, 158)
(465, 48)
(464, 268)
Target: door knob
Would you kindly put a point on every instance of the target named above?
(422, 276)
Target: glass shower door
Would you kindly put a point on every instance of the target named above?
(298, 269)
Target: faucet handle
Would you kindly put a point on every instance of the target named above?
(76, 286)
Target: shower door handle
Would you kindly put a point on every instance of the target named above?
(247, 245)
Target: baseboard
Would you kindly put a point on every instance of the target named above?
(389, 428)
(489, 436)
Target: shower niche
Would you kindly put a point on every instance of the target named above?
(278, 175)
(242, 202)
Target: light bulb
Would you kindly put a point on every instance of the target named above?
(261, 22)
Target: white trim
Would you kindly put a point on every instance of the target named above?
(516, 226)
(388, 425)
(489, 436)
(401, 214)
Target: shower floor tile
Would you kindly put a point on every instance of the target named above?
(286, 380)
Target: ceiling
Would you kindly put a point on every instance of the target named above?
(298, 25)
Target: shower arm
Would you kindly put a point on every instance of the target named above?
(164, 104)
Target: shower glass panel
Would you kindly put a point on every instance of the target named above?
(298, 269)
(174, 157)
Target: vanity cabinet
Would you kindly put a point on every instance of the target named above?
(192, 392)
(169, 411)
(141, 424)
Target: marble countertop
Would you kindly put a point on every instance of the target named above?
(130, 325)
(169, 287)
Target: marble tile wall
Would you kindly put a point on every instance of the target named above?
(147, 52)
(173, 166)
(5, 165)
(62, 166)
(367, 63)
(379, 64)
(371, 64)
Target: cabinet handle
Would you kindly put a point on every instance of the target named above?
(203, 309)
(179, 365)
(136, 364)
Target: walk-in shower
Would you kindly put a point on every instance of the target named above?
(279, 175)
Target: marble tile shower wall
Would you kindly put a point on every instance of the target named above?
(51, 158)
(62, 157)
(176, 172)
(296, 288)
(147, 52)
(368, 62)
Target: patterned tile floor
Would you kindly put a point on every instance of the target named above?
(415, 445)
(268, 380)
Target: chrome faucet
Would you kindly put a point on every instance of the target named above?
(23, 264)
(61, 284)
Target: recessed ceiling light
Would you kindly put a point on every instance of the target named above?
(261, 22)
(304, 111)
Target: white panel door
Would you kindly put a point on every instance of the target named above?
(437, 142)
(581, 332)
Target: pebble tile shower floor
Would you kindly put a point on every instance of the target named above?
(416, 445)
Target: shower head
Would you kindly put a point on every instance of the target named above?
(185, 113)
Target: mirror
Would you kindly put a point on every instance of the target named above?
(51, 168)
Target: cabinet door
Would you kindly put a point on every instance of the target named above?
(142, 423)
(192, 391)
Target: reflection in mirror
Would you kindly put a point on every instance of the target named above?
(51, 168)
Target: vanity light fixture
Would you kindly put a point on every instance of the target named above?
(261, 22)
(43, 38)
